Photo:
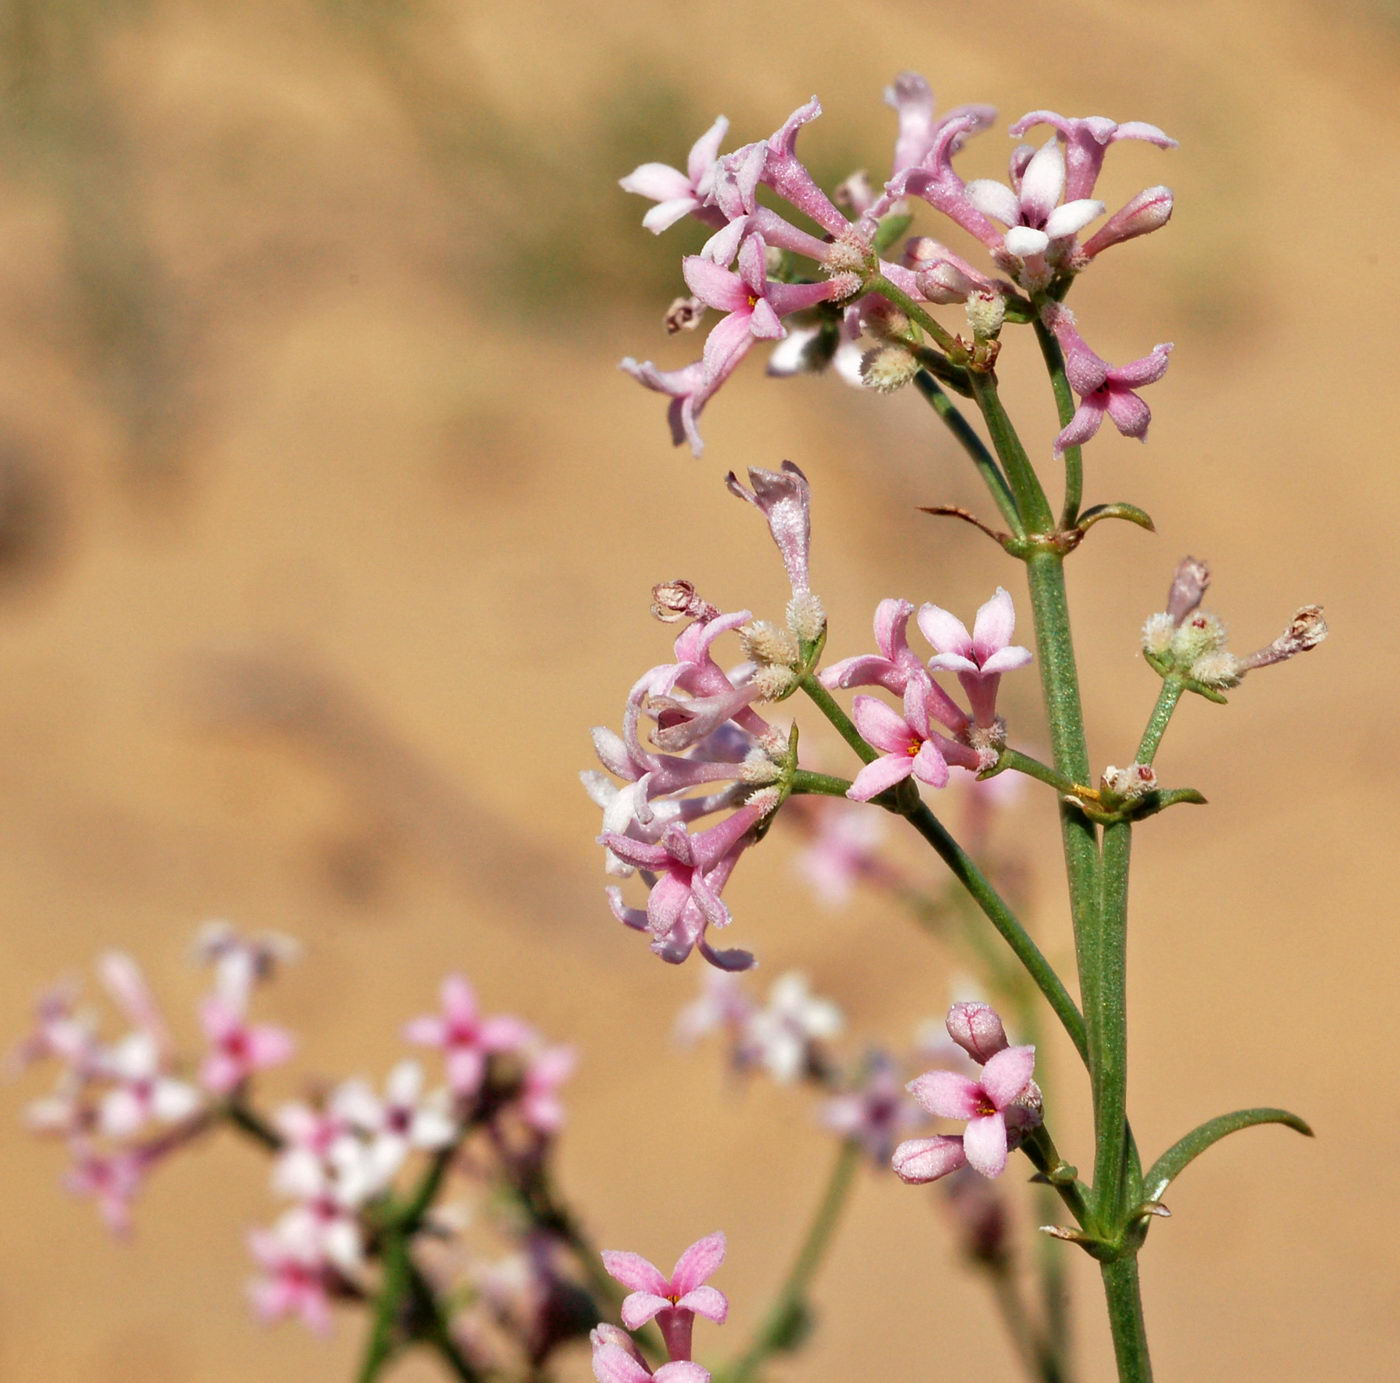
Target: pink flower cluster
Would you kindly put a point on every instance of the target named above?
(999, 1107)
(710, 750)
(1030, 225)
(122, 1106)
(673, 1302)
(914, 742)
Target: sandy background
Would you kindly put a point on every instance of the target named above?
(309, 319)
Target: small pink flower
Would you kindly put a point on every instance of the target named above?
(678, 194)
(874, 1114)
(784, 498)
(1103, 388)
(910, 743)
(143, 1090)
(545, 1072)
(983, 1103)
(464, 1037)
(237, 1047)
(893, 666)
(1086, 142)
(979, 658)
(294, 1279)
(613, 1363)
(112, 1180)
(399, 1122)
(673, 1302)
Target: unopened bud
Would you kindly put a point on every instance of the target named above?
(1128, 784)
(1148, 211)
(887, 368)
(674, 601)
(849, 253)
(774, 682)
(1305, 631)
(1157, 633)
(944, 283)
(767, 800)
(684, 314)
(1217, 669)
(774, 743)
(977, 1029)
(1189, 585)
(856, 192)
(985, 314)
(758, 769)
(1198, 635)
(767, 644)
(886, 322)
(845, 285)
(772, 261)
(806, 617)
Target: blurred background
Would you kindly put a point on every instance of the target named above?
(327, 529)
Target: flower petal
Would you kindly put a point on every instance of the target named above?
(698, 1263)
(994, 199)
(947, 1094)
(883, 773)
(1130, 414)
(881, 725)
(636, 1272)
(984, 1142)
(1007, 1074)
(1071, 218)
(944, 630)
(706, 1301)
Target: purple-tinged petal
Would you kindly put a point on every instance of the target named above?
(1007, 659)
(698, 1263)
(882, 773)
(944, 630)
(1140, 129)
(921, 1160)
(715, 286)
(1006, 1075)
(705, 150)
(731, 961)
(709, 1302)
(994, 199)
(635, 918)
(994, 625)
(912, 100)
(930, 766)
(984, 1142)
(1085, 423)
(881, 725)
(636, 1272)
(1130, 414)
(947, 1094)
(1146, 370)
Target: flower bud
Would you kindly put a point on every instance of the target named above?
(806, 617)
(887, 368)
(1198, 635)
(849, 253)
(1305, 631)
(944, 283)
(1148, 211)
(766, 644)
(886, 322)
(1157, 634)
(921, 1160)
(1219, 668)
(977, 1029)
(758, 769)
(1128, 784)
(1189, 585)
(985, 314)
(774, 682)
(684, 314)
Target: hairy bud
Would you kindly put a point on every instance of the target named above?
(1198, 635)
(774, 682)
(674, 601)
(887, 368)
(767, 644)
(1305, 631)
(806, 617)
(1128, 784)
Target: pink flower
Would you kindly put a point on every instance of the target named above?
(540, 1105)
(464, 1037)
(935, 180)
(112, 1179)
(983, 1103)
(874, 1114)
(673, 1302)
(910, 743)
(678, 194)
(143, 1090)
(893, 666)
(399, 1122)
(237, 1048)
(1103, 388)
(979, 658)
(294, 1279)
(1086, 142)
(613, 1363)
(784, 498)
(689, 389)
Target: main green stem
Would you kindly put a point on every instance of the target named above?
(784, 1313)
(1105, 996)
(1120, 1282)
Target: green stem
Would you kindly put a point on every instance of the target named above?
(820, 784)
(1120, 1282)
(776, 1331)
(1105, 1001)
(972, 444)
(831, 709)
(435, 1329)
(1064, 403)
(1003, 919)
(1013, 759)
(253, 1124)
(1038, 1354)
(915, 311)
(1167, 698)
(1025, 484)
(388, 1307)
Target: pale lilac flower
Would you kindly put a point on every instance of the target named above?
(784, 498)
(786, 174)
(241, 960)
(329, 1196)
(685, 899)
(893, 666)
(689, 389)
(724, 1004)
(399, 1122)
(785, 1036)
(1006, 1077)
(143, 1091)
(58, 1032)
(678, 194)
(1037, 225)
(294, 1279)
(1103, 388)
(843, 849)
(909, 742)
(875, 1113)
(612, 1363)
(1086, 142)
(545, 1072)
(674, 1301)
(112, 1180)
(310, 1137)
(978, 658)
(237, 1048)
(465, 1039)
(935, 180)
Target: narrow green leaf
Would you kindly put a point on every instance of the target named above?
(889, 230)
(1174, 1161)
(1116, 511)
